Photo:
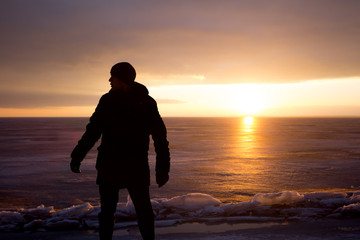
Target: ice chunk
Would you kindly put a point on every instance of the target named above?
(335, 202)
(7, 217)
(60, 223)
(191, 201)
(125, 224)
(240, 208)
(207, 211)
(129, 208)
(286, 197)
(304, 212)
(324, 195)
(90, 223)
(74, 211)
(157, 206)
(166, 223)
(350, 210)
(38, 212)
(37, 223)
(173, 216)
(355, 198)
(7, 227)
(93, 214)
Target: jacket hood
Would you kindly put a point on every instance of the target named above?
(136, 89)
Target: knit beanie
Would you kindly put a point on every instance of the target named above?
(124, 71)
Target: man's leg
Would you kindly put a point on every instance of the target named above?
(144, 212)
(108, 198)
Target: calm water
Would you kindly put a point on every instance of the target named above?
(229, 158)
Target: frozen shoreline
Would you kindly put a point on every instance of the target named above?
(287, 206)
(330, 229)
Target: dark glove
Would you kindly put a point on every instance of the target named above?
(75, 166)
(162, 178)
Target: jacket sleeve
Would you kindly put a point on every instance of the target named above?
(159, 135)
(93, 132)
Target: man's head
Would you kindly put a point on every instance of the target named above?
(124, 72)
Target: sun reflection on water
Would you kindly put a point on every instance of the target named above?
(248, 122)
(245, 138)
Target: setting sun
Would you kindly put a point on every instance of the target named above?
(248, 121)
(249, 99)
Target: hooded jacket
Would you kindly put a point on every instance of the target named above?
(124, 121)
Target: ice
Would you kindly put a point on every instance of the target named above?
(330, 199)
(37, 223)
(156, 205)
(173, 216)
(286, 197)
(350, 210)
(355, 197)
(191, 207)
(90, 223)
(191, 201)
(39, 212)
(74, 211)
(60, 223)
(166, 223)
(335, 202)
(129, 208)
(303, 212)
(207, 211)
(239, 208)
(10, 220)
(318, 196)
(7, 217)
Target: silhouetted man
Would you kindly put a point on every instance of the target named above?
(125, 118)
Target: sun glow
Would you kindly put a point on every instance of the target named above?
(250, 100)
(248, 122)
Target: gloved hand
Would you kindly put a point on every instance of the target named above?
(162, 178)
(75, 166)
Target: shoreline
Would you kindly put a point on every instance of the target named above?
(330, 229)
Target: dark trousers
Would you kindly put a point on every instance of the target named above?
(109, 196)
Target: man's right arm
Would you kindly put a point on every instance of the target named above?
(93, 132)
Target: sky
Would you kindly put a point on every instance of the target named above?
(197, 58)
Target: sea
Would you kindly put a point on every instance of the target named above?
(242, 162)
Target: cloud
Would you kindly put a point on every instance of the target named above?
(231, 41)
(69, 46)
(37, 99)
(31, 100)
(169, 101)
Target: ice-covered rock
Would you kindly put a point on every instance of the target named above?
(286, 197)
(191, 201)
(350, 210)
(38, 212)
(238, 208)
(335, 202)
(61, 223)
(8, 217)
(129, 208)
(317, 196)
(37, 223)
(191, 207)
(355, 198)
(207, 211)
(74, 211)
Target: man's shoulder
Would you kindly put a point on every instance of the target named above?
(104, 96)
(150, 100)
